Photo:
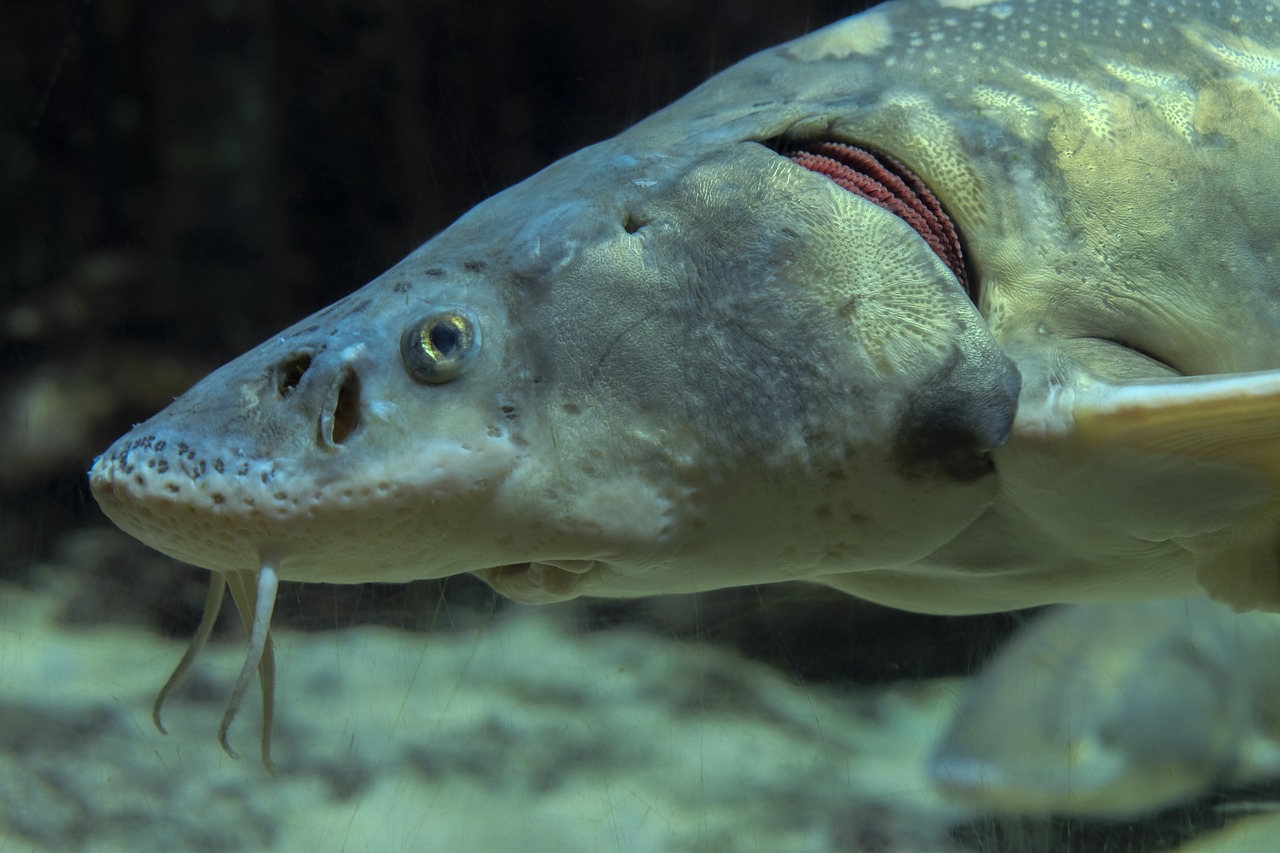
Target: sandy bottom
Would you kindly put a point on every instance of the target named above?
(519, 735)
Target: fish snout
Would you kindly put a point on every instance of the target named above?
(214, 473)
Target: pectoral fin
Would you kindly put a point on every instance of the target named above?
(1204, 452)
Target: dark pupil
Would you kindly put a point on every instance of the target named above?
(444, 338)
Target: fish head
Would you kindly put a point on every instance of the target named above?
(653, 367)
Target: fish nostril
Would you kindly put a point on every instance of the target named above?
(289, 373)
(346, 411)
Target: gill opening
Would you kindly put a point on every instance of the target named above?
(888, 183)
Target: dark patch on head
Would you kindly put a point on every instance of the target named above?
(474, 266)
(401, 286)
(955, 419)
(433, 271)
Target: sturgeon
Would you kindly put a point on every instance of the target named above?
(1114, 711)
(954, 305)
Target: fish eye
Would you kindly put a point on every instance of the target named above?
(438, 347)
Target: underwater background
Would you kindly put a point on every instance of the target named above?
(182, 180)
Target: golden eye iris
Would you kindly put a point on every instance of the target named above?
(438, 347)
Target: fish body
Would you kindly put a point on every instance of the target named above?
(687, 358)
(1118, 710)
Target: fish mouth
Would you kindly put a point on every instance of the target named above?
(539, 582)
